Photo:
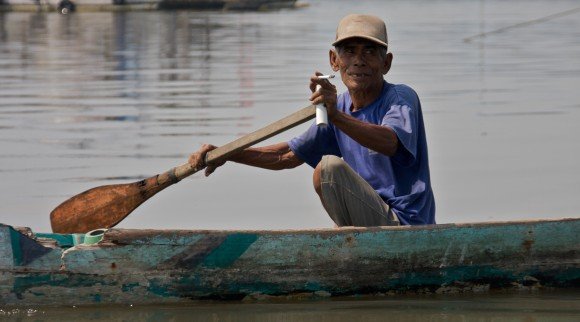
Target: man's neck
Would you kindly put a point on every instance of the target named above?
(365, 97)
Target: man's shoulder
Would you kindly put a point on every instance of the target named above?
(343, 101)
(402, 94)
(401, 89)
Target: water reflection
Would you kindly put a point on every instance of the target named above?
(120, 62)
(120, 49)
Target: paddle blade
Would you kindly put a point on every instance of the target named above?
(102, 207)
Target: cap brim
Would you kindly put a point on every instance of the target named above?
(375, 40)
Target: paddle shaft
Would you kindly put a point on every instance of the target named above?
(229, 149)
(106, 206)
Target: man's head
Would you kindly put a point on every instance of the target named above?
(362, 26)
(361, 52)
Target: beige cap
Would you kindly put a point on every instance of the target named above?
(362, 26)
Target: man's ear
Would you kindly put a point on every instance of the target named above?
(333, 58)
(388, 62)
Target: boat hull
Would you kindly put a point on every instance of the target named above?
(169, 266)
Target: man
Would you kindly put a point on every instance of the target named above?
(370, 163)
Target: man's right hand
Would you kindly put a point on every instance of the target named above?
(326, 95)
(197, 159)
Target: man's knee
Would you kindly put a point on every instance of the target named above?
(325, 170)
(316, 179)
(331, 164)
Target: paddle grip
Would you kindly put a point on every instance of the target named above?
(321, 113)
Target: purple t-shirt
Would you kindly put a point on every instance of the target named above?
(402, 180)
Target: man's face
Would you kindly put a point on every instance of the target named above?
(361, 64)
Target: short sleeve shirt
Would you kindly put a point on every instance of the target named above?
(403, 180)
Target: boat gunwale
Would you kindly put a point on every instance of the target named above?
(120, 236)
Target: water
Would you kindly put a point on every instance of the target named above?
(523, 307)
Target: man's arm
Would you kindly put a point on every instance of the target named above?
(378, 138)
(274, 157)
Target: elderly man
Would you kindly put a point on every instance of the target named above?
(370, 163)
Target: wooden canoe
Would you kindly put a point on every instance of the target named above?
(176, 266)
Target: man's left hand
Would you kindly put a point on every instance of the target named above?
(197, 159)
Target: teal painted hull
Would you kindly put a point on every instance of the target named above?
(171, 266)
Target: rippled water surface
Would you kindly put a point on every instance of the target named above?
(515, 307)
(98, 98)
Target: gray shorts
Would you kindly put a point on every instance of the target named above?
(349, 199)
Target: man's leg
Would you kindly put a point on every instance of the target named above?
(349, 199)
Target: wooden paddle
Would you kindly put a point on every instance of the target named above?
(106, 206)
